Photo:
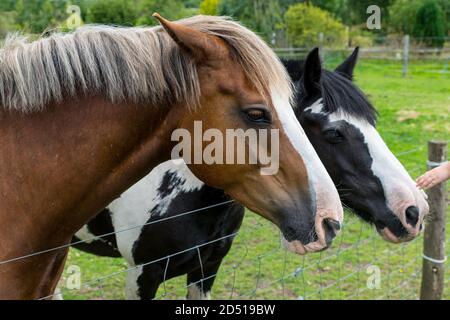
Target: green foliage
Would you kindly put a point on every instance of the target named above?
(445, 5)
(118, 12)
(35, 16)
(304, 23)
(338, 8)
(402, 15)
(430, 24)
(355, 12)
(192, 3)
(170, 9)
(209, 7)
(360, 37)
(7, 23)
(7, 5)
(262, 16)
(349, 12)
(266, 17)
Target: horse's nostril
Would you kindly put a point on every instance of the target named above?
(412, 215)
(335, 224)
(331, 228)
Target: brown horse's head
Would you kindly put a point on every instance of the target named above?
(243, 136)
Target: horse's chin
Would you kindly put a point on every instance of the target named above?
(389, 236)
(299, 248)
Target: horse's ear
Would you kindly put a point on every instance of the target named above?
(202, 46)
(346, 68)
(312, 72)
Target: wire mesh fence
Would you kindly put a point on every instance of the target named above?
(360, 265)
(392, 47)
(399, 54)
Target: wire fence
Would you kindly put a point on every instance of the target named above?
(402, 51)
(391, 47)
(342, 272)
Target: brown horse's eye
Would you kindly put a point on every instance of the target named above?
(257, 115)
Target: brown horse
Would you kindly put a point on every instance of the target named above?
(86, 115)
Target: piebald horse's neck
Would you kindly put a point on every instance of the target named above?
(59, 167)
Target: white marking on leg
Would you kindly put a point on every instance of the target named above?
(132, 287)
(195, 292)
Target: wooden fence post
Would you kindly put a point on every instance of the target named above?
(433, 268)
(405, 55)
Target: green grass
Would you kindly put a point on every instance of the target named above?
(257, 266)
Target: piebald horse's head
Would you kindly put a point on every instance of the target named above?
(340, 123)
(239, 96)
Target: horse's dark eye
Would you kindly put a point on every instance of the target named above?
(333, 135)
(257, 115)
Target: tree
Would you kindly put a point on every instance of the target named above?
(118, 12)
(35, 16)
(430, 24)
(445, 5)
(356, 11)
(267, 16)
(192, 3)
(304, 22)
(339, 9)
(263, 16)
(170, 9)
(7, 5)
(209, 7)
(7, 23)
(402, 15)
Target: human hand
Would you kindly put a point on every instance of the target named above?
(434, 176)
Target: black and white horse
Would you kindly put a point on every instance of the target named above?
(165, 207)
(339, 121)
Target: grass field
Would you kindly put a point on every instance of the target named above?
(412, 111)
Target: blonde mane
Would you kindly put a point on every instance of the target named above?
(143, 65)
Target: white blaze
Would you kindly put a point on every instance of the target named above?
(399, 188)
(326, 195)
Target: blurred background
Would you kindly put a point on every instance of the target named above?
(335, 24)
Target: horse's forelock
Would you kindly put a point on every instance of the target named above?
(343, 96)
